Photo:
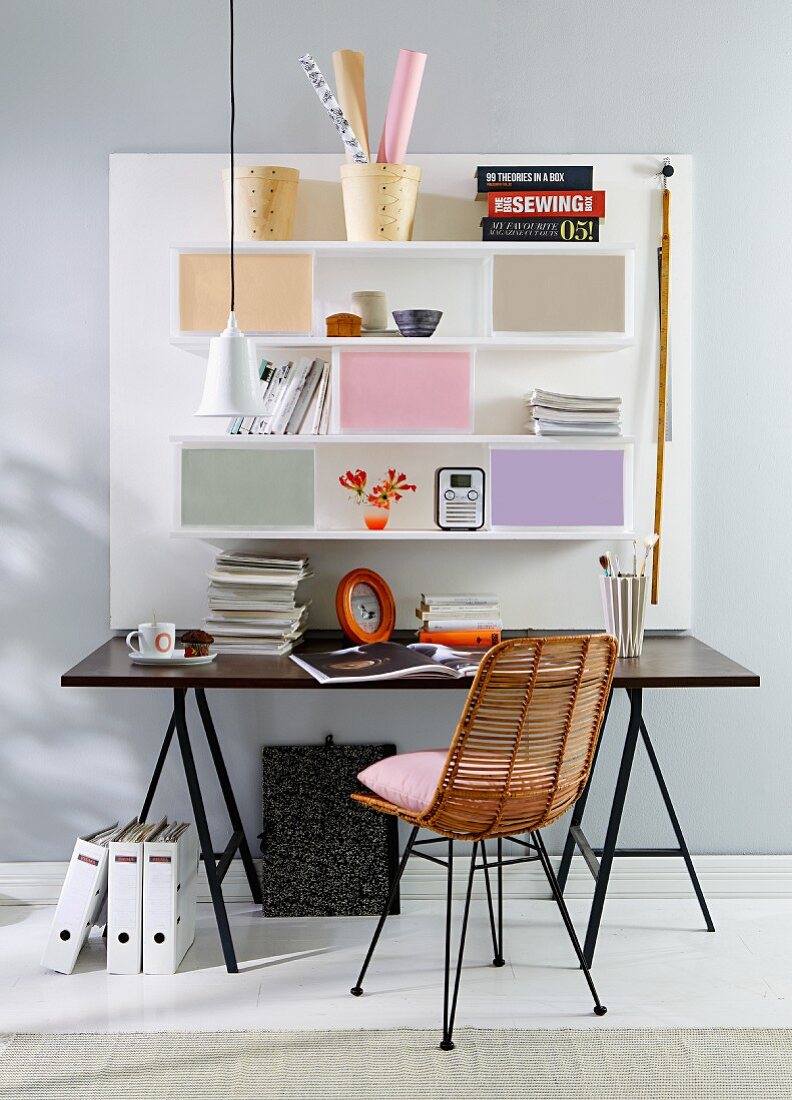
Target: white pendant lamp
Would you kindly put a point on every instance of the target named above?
(231, 387)
(232, 384)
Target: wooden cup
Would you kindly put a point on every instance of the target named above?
(264, 202)
(379, 201)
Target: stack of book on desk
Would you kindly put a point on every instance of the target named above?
(459, 619)
(253, 606)
(572, 414)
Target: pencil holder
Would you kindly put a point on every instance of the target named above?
(379, 201)
(624, 606)
(264, 202)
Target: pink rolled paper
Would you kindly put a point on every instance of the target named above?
(401, 107)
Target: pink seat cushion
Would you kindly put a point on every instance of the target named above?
(408, 779)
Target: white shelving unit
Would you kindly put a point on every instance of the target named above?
(279, 441)
(175, 201)
(199, 344)
(454, 276)
(237, 489)
(231, 498)
(230, 536)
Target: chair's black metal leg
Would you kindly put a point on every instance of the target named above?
(497, 959)
(614, 821)
(500, 894)
(204, 837)
(357, 988)
(392, 841)
(599, 1008)
(580, 806)
(447, 960)
(155, 778)
(228, 794)
(683, 848)
(449, 1015)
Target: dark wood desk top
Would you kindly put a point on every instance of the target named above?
(666, 662)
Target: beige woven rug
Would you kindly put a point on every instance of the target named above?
(718, 1064)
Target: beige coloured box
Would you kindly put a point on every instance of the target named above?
(274, 292)
(265, 198)
(555, 294)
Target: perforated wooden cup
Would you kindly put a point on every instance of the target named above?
(265, 198)
(380, 201)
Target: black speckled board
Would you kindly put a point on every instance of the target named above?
(323, 854)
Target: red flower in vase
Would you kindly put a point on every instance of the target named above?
(390, 489)
(355, 483)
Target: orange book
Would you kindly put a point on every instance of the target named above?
(466, 638)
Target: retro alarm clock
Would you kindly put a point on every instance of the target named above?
(365, 607)
(459, 498)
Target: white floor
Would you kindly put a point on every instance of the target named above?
(655, 966)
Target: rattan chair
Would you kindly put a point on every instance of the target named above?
(520, 758)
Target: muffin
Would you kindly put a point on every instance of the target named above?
(196, 643)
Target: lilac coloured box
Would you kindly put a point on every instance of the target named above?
(530, 487)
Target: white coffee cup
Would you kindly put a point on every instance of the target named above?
(154, 639)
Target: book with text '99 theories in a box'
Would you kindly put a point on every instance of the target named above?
(533, 177)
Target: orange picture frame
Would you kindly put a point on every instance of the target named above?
(382, 594)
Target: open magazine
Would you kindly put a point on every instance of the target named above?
(389, 660)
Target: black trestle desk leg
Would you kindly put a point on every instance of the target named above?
(155, 778)
(228, 794)
(683, 848)
(614, 821)
(579, 807)
(204, 836)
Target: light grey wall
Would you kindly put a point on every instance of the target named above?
(80, 79)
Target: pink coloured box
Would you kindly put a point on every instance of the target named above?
(405, 391)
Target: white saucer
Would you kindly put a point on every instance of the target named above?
(177, 659)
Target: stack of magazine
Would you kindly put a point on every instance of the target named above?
(295, 400)
(572, 414)
(253, 603)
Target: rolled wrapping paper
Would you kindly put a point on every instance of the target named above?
(401, 107)
(349, 67)
(330, 104)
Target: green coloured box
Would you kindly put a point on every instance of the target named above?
(223, 487)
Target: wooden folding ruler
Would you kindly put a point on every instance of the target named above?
(662, 386)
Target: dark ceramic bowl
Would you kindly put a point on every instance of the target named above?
(417, 322)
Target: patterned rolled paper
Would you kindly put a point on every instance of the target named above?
(401, 107)
(330, 104)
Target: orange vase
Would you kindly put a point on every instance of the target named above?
(376, 519)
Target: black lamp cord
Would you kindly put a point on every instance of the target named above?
(233, 116)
